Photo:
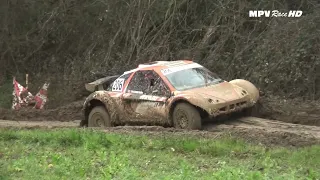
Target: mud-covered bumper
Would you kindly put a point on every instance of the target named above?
(230, 107)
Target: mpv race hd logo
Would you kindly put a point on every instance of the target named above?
(274, 13)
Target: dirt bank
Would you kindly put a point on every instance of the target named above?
(296, 111)
(68, 112)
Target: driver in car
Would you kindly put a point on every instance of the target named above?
(155, 85)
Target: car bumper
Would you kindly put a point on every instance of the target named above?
(230, 107)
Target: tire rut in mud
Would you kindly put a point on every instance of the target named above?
(269, 132)
(250, 129)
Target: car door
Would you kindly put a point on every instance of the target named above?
(145, 97)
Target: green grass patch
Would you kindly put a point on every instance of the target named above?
(88, 154)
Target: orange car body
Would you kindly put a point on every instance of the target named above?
(128, 100)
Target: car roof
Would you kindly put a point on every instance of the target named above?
(159, 65)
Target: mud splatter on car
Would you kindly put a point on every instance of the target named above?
(169, 93)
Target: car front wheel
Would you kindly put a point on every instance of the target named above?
(186, 116)
(99, 117)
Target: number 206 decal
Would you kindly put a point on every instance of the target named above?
(118, 84)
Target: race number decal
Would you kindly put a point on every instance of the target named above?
(166, 71)
(118, 84)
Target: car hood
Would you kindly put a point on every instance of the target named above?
(221, 92)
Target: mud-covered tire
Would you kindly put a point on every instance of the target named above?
(186, 116)
(99, 117)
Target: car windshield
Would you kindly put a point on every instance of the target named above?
(193, 78)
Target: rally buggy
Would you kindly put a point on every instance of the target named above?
(168, 93)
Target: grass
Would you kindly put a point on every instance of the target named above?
(87, 154)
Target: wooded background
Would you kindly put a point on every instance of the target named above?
(69, 41)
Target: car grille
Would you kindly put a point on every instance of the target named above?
(233, 106)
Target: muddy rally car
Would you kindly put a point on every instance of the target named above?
(168, 93)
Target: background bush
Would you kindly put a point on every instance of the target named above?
(67, 42)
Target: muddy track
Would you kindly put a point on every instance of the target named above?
(251, 123)
(250, 129)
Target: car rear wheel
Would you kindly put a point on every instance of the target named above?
(99, 117)
(186, 116)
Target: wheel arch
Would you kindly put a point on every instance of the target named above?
(98, 98)
(203, 112)
(89, 106)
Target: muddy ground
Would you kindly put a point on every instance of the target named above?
(251, 129)
(296, 111)
(68, 112)
(291, 123)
